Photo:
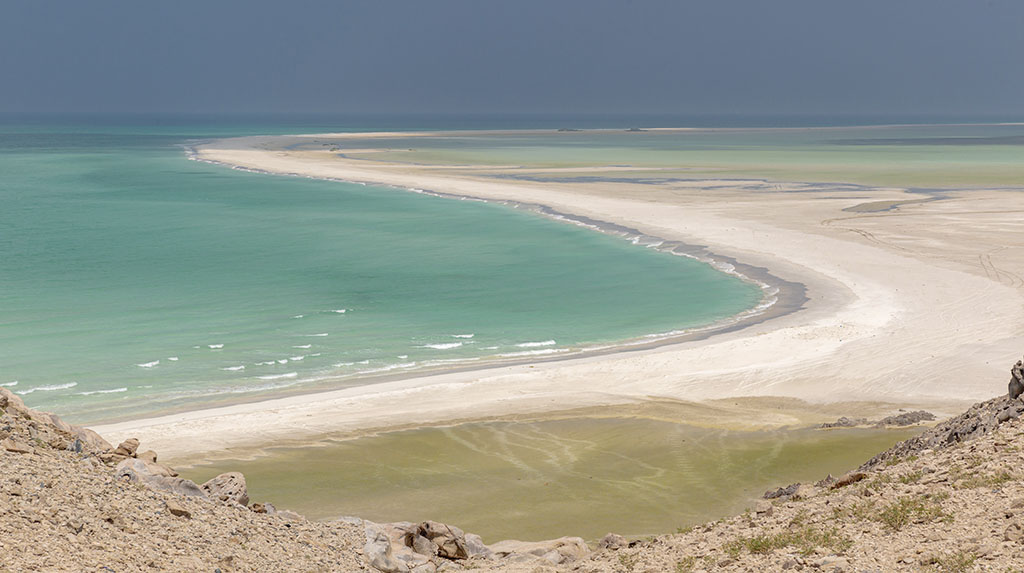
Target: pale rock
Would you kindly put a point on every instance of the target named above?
(763, 508)
(378, 553)
(176, 509)
(138, 471)
(476, 549)
(228, 487)
(127, 448)
(563, 550)
(450, 540)
(148, 456)
(612, 541)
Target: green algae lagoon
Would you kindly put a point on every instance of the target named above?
(533, 480)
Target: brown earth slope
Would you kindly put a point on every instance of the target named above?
(951, 499)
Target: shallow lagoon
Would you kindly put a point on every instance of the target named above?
(541, 479)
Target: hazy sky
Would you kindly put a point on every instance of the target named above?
(588, 56)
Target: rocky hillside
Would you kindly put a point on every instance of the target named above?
(64, 508)
(951, 499)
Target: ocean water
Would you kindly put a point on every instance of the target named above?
(134, 281)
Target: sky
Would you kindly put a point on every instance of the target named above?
(524, 56)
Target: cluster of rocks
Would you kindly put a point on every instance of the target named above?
(978, 420)
(430, 546)
(902, 419)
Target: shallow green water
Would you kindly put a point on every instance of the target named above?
(540, 480)
(943, 156)
(133, 280)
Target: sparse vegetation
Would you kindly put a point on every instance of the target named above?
(686, 564)
(912, 477)
(805, 540)
(985, 480)
(959, 562)
(907, 510)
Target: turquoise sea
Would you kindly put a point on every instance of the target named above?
(135, 281)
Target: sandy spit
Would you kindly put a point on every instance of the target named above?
(919, 305)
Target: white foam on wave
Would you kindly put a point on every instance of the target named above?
(316, 354)
(149, 364)
(338, 311)
(303, 346)
(260, 388)
(172, 358)
(49, 388)
(298, 316)
(403, 356)
(283, 361)
(296, 358)
(489, 348)
(534, 352)
(363, 362)
(342, 364)
(388, 368)
(320, 334)
(279, 376)
(443, 346)
(112, 391)
(267, 363)
(9, 384)
(470, 335)
(536, 344)
(234, 368)
(215, 346)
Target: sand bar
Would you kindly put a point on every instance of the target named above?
(920, 304)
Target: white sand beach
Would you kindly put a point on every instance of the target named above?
(918, 305)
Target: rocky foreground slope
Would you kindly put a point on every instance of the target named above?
(951, 499)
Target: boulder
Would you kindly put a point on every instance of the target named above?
(450, 540)
(127, 448)
(147, 456)
(378, 552)
(906, 419)
(475, 547)
(91, 440)
(612, 541)
(848, 479)
(782, 492)
(555, 551)
(1016, 386)
(228, 487)
(151, 476)
(13, 405)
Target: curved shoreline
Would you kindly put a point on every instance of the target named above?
(792, 354)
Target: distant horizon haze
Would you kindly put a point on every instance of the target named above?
(728, 57)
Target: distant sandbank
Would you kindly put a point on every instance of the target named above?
(916, 305)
